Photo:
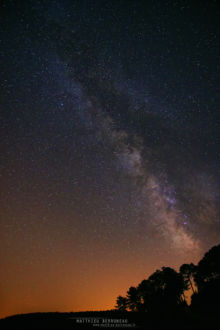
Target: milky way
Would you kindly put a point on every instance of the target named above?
(109, 144)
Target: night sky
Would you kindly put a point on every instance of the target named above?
(109, 117)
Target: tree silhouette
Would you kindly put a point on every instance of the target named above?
(207, 278)
(146, 295)
(188, 272)
(208, 268)
(169, 287)
(133, 299)
(164, 289)
(121, 303)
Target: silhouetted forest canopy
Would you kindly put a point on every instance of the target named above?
(165, 290)
(158, 302)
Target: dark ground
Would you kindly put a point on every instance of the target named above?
(110, 319)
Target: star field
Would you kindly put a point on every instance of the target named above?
(109, 147)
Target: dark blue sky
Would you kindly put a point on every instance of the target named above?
(109, 141)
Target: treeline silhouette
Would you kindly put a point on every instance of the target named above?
(157, 303)
(165, 290)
